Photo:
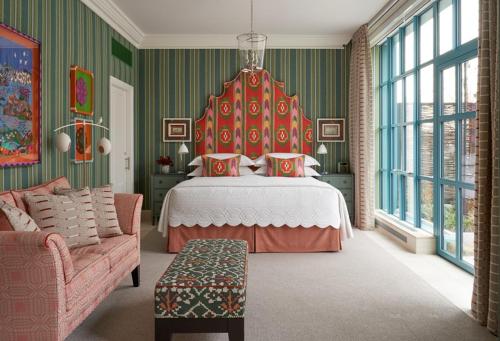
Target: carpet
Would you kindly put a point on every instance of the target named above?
(360, 293)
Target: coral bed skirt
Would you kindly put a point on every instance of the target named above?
(261, 239)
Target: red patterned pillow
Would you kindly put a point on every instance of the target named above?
(292, 167)
(216, 167)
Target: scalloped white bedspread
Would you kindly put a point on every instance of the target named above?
(255, 200)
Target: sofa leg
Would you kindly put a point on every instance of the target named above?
(136, 276)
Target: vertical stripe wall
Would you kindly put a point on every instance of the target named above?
(177, 83)
(69, 33)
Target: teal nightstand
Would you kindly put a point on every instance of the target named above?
(345, 184)
(160, 185)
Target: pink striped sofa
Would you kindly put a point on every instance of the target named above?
(47, 290)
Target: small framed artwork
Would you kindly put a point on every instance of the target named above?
(82, 151)
(176, 130)
(81, 91)
(331, 129)
(20, 111)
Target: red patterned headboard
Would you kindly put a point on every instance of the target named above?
(253, 116)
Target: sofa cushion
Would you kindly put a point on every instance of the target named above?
(8, 198)
(15, 219)
(74, 220)
(114, 248)
(44, 188)
(90, 269)
(103, 203)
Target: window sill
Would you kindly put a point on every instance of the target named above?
(412, 239)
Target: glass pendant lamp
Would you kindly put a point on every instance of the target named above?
(252, 47)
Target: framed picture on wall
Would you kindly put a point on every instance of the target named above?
(330, 129)
(81, 91)
(19, 98)
(176, 130)
(83, 150)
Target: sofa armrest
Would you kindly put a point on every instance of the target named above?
(34, 268)
(128, 209)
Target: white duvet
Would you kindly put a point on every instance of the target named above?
(255, 200)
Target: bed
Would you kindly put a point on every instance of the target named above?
(253, 117)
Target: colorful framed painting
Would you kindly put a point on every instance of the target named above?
(81, 91)
(330, 129)
(82, 135)
(20, 108)
(176, 130)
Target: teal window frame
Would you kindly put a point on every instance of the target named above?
(392, 173)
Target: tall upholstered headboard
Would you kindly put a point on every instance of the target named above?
(253, 116)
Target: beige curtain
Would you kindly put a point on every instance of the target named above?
(361, 134)
(487, 209)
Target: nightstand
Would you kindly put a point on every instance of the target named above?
(345, 184)
(160, 185)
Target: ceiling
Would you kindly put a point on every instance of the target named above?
(286, 21)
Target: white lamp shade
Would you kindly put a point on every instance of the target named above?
(63, 142)
(322, 149)
(104, 146)
(183, 149)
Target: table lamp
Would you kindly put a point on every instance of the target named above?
(183, 149)
(322, 151)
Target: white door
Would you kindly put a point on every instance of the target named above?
(121, 126)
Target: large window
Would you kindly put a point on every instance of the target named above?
(428, 93)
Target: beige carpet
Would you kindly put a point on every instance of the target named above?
(361, 293)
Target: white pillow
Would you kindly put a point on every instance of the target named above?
(308, 171)
(244, 161)
(199, 171)
(308, 162)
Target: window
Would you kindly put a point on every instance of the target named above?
(427, 96)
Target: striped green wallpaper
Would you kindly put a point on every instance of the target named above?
(69, 33)
(177, 83)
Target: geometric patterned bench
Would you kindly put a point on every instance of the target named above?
(203, 290)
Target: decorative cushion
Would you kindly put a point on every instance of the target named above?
(73, 219)
(308, 171)
(45, 188)
(243, 171)
(245, 160)
(216, 167)
(291, 167)
(309, 160)
(207, 279)
(15, 219)
(103, 203)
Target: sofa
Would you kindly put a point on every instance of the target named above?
(46, 289)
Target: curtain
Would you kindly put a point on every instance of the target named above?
(487, 209)
(361, 129)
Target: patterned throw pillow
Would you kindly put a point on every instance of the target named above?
(291, 167)
(73, 219)
(103, 203)
(16, 218)
(216, 167)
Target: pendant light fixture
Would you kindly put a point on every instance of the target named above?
(252, 47)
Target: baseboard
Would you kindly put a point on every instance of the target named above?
(412, 239)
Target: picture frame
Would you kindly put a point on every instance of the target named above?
(177, 130)
(81, 91)
(83, 141)
(20, 98)
(330, 129)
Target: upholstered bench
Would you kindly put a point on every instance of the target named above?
(203, 290)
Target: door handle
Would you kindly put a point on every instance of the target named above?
(127, 163)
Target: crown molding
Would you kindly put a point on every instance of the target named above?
(228, 41)
(117, 19)
(120, 22)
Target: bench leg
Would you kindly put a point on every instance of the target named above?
(236, 329)
(136, 276)
(162, 331)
